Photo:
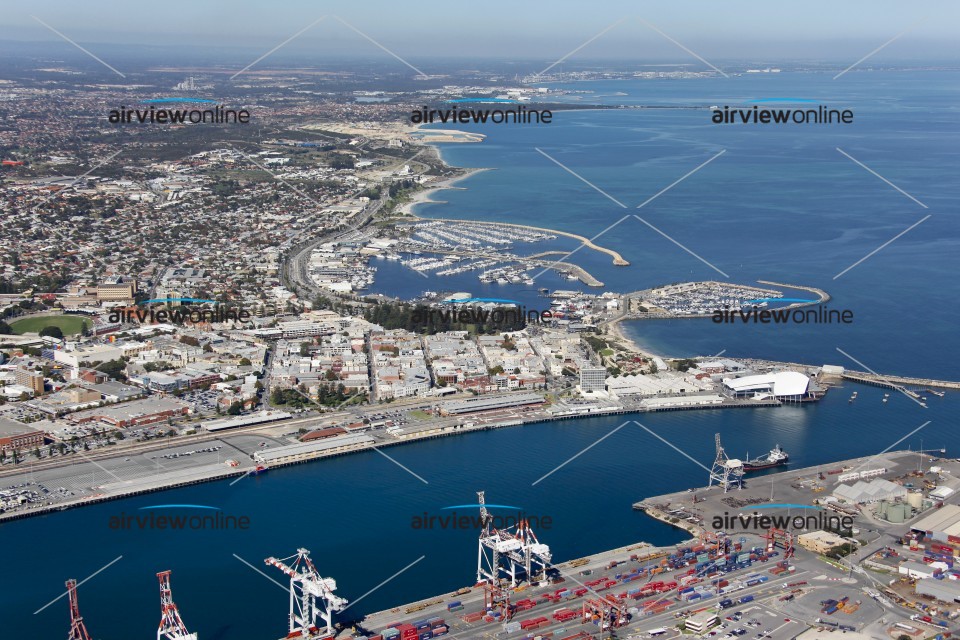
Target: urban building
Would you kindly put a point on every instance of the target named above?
(117, 289)
(820, 541)
(29, 378)
(593, 379)
(17, 436)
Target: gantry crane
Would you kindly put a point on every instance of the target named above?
(78, 630)
(306, 586)
(780, 538)
(726, 472)
(171, 625)
(500, 551)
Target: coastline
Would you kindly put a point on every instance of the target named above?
(424, 196)
(616, 331)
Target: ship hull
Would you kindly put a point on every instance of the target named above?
(760, 466)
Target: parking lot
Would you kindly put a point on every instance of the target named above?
(84, 479)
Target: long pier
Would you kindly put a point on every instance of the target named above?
(895, 382)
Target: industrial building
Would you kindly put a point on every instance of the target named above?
(702, 400)
(916, 570)
(657, 384)
(245, 421)
(309, 450)
(942, 590)
(870, 492)
(941, 525)
(471, 405)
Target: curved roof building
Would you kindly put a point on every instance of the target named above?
(781, 384)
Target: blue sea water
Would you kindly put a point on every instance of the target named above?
(780, 204)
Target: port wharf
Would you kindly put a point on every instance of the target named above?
(213, 473)
(692, 508)
(897, 382)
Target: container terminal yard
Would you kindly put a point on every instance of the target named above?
(891, 578)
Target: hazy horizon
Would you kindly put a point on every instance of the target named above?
(619, 29)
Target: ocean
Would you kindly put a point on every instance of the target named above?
(781, 204)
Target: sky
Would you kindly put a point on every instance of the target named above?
(423, 29)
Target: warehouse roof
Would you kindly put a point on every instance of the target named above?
(940, 520)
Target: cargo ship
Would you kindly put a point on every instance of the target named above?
(776, 458)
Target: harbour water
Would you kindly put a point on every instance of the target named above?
(355, 513)
(781, 204)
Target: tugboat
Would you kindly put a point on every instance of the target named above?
(776, 458)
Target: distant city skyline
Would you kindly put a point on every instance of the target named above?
(736, 29)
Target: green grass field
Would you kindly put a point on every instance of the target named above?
(70, 325)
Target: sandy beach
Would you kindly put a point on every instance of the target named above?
(615, 331)
(425, 194)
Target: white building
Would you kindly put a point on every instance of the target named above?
(593, 379)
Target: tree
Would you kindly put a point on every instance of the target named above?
(340, 161)
(235, 409)
(5, 329)
(245, 362)
(52, 331)
(653, 367)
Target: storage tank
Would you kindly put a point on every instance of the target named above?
(915, 500)
(897, 513)
(882, 509)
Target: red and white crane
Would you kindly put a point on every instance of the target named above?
(78, 630)
(171, 625)
(306, 586)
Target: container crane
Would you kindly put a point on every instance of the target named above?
(171, 625)
(306, 586)
(78, 630)
(500, 551)
(726, 472)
